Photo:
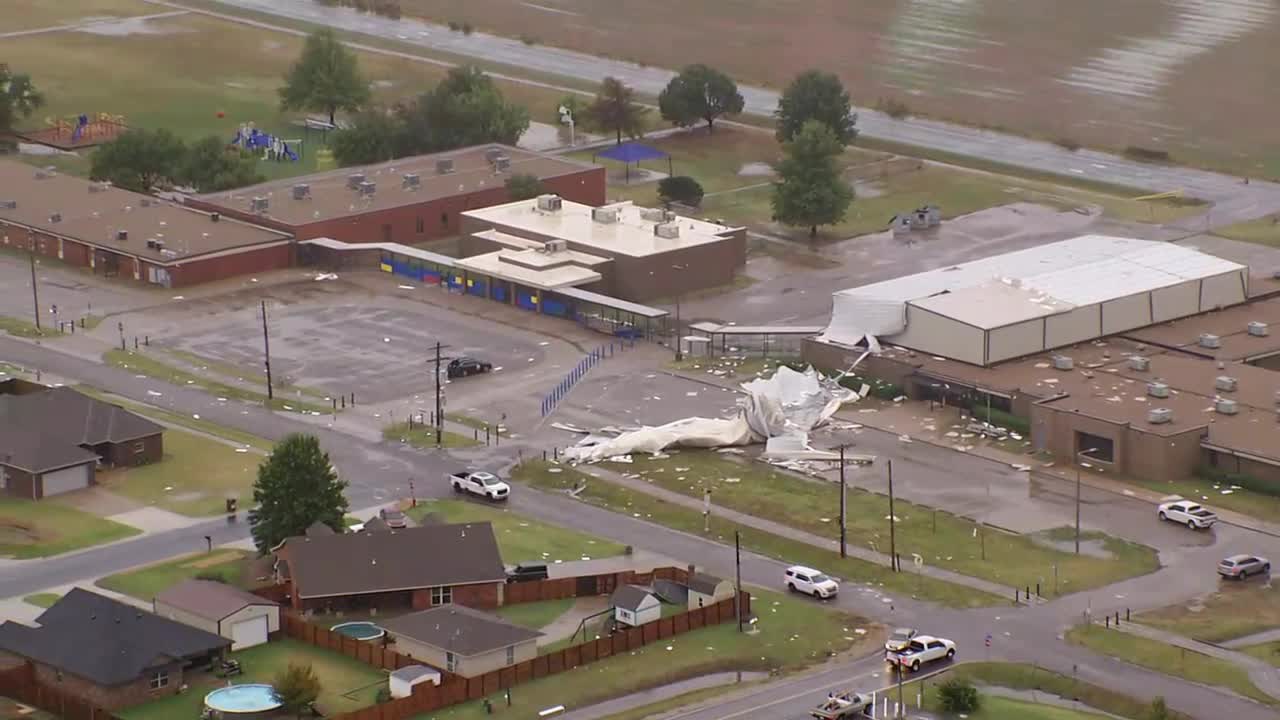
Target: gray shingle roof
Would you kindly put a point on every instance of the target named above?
(459, 630)
(208, 599)
(405, 559)
(45, 430)
(104, 640)
(629, 597)
(704, 583)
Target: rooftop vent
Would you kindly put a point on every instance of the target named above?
(604, 216)
(1140, 363)
(1226, 406)
(259, 204)
(502, 164)
(1160, 416)
(354, 181)
(1259, 329)
(301, 191)
(553, 246)
(122, 235)
(1225, 383)
(410, 181)
(444, 167)
(654, 215)
(9, 204)
(1210, 341)
(55, 218)
(1157, 390)
(669, 231)
(1063, 362)
(215, 217)
(153, 245)
(367, 189)
(550, 203)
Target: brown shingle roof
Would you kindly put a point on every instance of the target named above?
(704, 583)
(209, 600)
(406, 559)
(45, 430)
(459, 630)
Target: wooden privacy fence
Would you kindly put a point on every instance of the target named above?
(586, 585)
(20, 683)
(455, 689)
(369, 653)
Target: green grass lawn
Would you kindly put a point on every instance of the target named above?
(195, 477)
(143, 364)
(346, 684)
(44, 600)
(143, 583)
(1263, 231)
(33, 14)
(995, 707)
(792, 634)
(171, 418)
(19, 327)
(520, 539)
(734, 367)
(40, 528)
(645, 507)
(1237, 609)
(476, 423)
(1269, 652)
(535, 615)
(1168, 659)
(424, 436)
(945, 541)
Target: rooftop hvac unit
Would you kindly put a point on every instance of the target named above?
(1158, 390)
(55, 218)
(1063, 362)
(354, 181)
(367, 189)
(1259, 329)
(502, 164)
(553, 246)
(669, 231)
(1160, 416)
(9, 204)
(167, 252)
(1225, 383)
(1140, 363)
(410, 181)
(153, 245)
(653, 215)
(550, 203)
(122, 235)
(604, 216)
(259, 204)
(215, 217)
(301, 191)
(444, 167)
(492, 154)
(1226, 406)
(1210, 341)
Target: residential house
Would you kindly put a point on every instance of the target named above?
(635, 606)
(246, 619)
(109, 653)
(53, 441)
(463, 641)
(707, 589)
(417, 567)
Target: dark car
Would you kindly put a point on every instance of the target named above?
(527, 572)
(464, 366)
(393, 518)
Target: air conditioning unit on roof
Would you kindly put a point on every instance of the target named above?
(1225, 383)
(549, 203)
(667, 231)
(1259, 329)
(1063, 362)
(1226, 406)
(1157, 390)
(1140, 363)
(1208, 340)
(604, 216)
(1160, 416)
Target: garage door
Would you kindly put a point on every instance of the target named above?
(248, 633)
(67, 479)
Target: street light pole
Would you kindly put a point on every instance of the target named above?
(843, 532)
(893, 535)
(35, 293)
(1078, 465)
(439, 419)
(679, 348)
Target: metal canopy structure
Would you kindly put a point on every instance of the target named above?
(633, 152)
(781, 334)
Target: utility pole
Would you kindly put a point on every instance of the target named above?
(737, 561)
(1079, 464)
(439, 419)
(843, 531)
(902, 706)
(266, 348)
(893, 534)
(35, 293)
(679, 349)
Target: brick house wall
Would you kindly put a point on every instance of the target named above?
(128, 454)
(112, 698)
(19, 483)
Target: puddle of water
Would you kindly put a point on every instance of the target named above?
(130, 26)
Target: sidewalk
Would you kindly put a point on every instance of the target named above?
(1257, 638)
(1263, 675)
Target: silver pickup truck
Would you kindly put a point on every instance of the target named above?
(840, 706)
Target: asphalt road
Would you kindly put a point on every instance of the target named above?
(1233, 200)
(378, 472)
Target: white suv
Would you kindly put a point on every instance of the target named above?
(810, 582)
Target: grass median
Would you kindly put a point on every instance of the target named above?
(1237, 609)
(41, 528)
(142, 364)
(423, 437)
(940, 538)
(552, 477)
(520, 539)
(42, 600)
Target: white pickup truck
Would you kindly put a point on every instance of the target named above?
(1185, 512)
(486, 485)
(922, 650)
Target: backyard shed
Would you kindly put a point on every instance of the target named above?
(635, 606)
(242, 617)
(707, 589)
(463, 641)
(401, 682)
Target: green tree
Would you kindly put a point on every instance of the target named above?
(465, 109)
(699, 93)
(1159, 710)
(615, 109)
(140, 160)
(524, 187)
(296, 487)
(958, 696)
(326, 78)
(810, 190)
(211, 165)
(296, 687)
(816, 95)
(680, 188)
(18, 99)
(372, 137)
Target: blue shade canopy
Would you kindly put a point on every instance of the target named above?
(631, 152)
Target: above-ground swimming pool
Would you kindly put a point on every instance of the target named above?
(242, 700)
(359, 630)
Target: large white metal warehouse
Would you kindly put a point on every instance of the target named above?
(1024, 302)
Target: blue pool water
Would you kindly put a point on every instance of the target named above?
(242, 699)
(359, 630)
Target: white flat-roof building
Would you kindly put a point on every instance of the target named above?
(1020, 303)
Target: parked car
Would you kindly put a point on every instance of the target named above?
(806, 580)
(393, 518)
(464, 366)
(922, 650)
(839, 706)
(1193, 515)
(1242, 566)
(899, 639)
(486, 485)
(527, 572)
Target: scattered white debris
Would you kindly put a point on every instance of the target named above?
(326, 276)
(153, 393)
(904, 438)
(691, 393)
(406, 287)
(900, 398)
(179, 297)
(733, 480)
(242, 450)
(195, 416)
(619, 459)
(544, 343)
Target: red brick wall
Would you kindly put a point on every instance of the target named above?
(111, 698)
(477, 596)
(217, 268)
(20, 484)
(124, 454)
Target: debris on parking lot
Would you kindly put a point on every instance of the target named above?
(326, 276)
(406, 287)
(904, 438)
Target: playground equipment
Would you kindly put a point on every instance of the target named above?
(272, 147)
(86, 129)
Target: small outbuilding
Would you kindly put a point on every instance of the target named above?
(707, 589)
(242, 617)
(401, 681)
(463, 641)
(634, 606)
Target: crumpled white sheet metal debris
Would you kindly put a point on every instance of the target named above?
(788, 404)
